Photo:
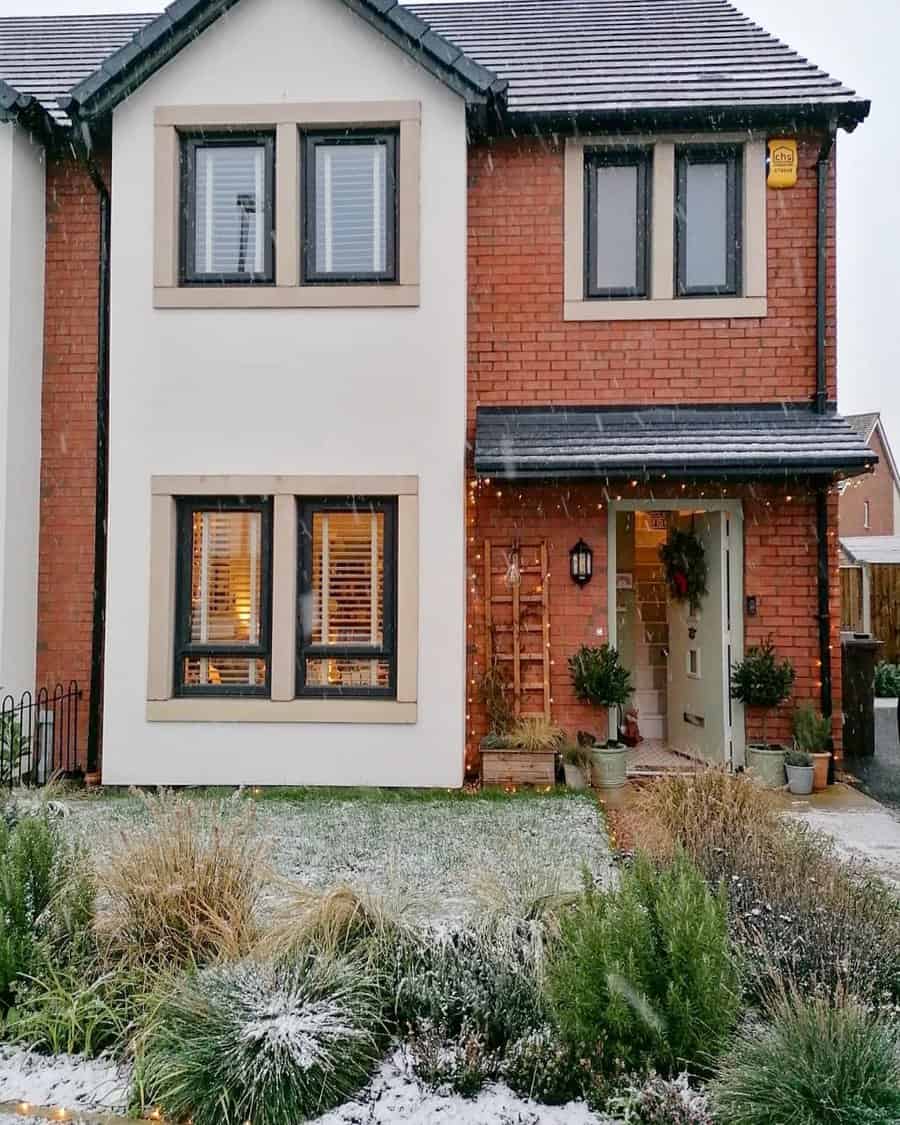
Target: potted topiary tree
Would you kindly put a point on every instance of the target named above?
(812, 732)
(599, 678)
(760, 681)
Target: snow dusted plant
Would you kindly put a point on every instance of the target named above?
(659, 1101)
(267, 1042)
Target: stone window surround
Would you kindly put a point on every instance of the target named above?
(286, 120)
(662, 304)
(281, 706)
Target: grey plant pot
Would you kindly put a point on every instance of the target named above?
(608, 766)
(800, 779)
(575, 776)
(767, 765)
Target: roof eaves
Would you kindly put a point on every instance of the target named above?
(127, 68)
(845, 114)
(27, 110)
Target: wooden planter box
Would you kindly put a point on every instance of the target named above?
(518, 767)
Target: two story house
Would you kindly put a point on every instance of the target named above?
(408, 334)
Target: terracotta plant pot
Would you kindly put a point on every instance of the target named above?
(608, 768)
(766, 763)
(820, 765)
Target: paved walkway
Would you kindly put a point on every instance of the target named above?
(861, 826)
(879, 775)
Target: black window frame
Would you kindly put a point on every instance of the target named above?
(732, 156)
(310, 140)
(306, 650)
(187, 507)
(607, 156)
(189, 275)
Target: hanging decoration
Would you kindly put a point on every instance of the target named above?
(684, 559)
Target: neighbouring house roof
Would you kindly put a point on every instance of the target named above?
(872, 548)
(866, 425)
(676, 441)
(627, 62)
(45, 56)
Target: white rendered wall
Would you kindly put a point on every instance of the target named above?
(294, 391)
(21, 358)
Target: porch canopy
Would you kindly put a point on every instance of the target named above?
(696, 442)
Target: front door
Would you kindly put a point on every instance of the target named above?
(700, 715)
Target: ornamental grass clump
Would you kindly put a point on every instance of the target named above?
(813, 1060)
(273, 1043)
(183, 890)
(643, 976)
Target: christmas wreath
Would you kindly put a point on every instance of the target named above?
(685, 561)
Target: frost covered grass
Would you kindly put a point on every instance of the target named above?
(441, 852)
(267, 1042)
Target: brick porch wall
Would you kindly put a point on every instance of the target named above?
(68, 433)
(780, 569)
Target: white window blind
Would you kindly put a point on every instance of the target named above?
(706, 208)
(617, 226)
(230, 187)
(226, 596)
(348, 578)
(351, 208)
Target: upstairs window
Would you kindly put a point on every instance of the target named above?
(223, 597)
(350, 209)
(347, 618)
(617, 222)
(227, 209)
(708, 220)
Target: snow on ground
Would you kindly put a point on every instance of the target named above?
(441, 856)
(394, 1095)
(61, 1080)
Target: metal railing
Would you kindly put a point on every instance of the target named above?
(39, 735)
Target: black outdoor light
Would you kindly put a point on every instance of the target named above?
(581, 562)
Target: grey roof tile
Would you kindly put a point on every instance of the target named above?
(560, 58)
(676, 441)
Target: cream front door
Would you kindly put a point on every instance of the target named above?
(700, 712)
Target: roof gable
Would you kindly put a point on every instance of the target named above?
(867, 425)
(162, 38)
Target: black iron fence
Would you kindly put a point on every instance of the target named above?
(39, 735)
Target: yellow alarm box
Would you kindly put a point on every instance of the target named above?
(782, 163)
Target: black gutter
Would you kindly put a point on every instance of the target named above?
(823, 167)
(98, 622)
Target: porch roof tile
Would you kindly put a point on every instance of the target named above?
(697, 442)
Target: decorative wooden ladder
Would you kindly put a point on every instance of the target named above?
(517, 620)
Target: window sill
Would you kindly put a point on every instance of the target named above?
(285, 297)
(248, 710)
(682, 308)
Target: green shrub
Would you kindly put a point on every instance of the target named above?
(461, 1064)
(760, 681)
(38, 871)
(484, 980)
(887, 680)
(814, 1061)
(542, 1067)
(269, 1042)
(811, 729)
(599, 678)
(643, 975)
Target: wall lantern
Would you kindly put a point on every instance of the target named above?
(581, 562)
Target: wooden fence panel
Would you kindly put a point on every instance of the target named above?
(885, 601)
(851, 599)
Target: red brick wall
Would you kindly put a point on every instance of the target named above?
(521, 351)
(780, 569)
(878, 488)
(68, 432)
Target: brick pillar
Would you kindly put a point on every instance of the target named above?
(69, 433)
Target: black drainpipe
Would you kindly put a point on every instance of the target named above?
(823, 165)
(98, 623)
